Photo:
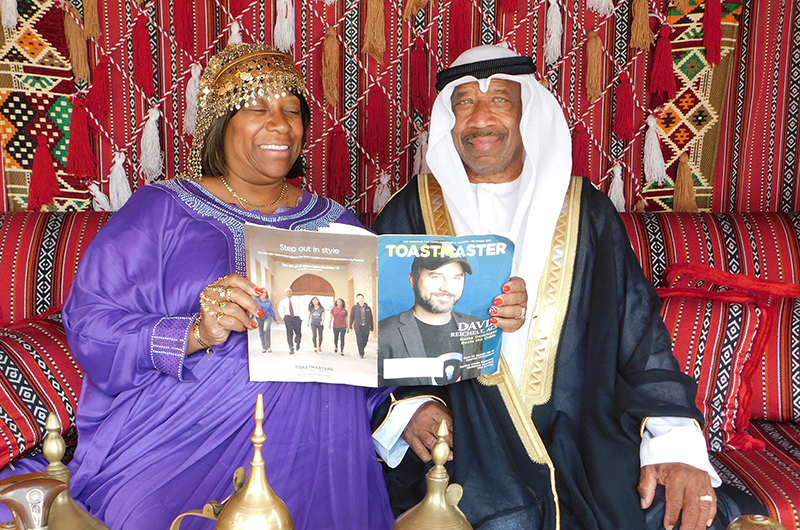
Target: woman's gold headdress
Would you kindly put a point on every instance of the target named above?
(233, 79)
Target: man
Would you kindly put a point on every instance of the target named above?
(362, 322)
(430, 328)
(291, 320)
(588, 412)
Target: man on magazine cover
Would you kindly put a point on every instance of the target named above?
(431, 328)
(588, 423)
(362, 322)
(290, 313)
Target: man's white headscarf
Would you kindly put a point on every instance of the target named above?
(543, 183)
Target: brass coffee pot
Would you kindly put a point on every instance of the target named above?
(64, 513)
(30, 501)
(439, 509)
(755, 522)
(253, 504)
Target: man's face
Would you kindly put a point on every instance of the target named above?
(288, 293)
(486, 133)
(438, 290)
(360, 299)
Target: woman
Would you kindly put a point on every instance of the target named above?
(316, 317)
(265, 324)
(162, 425)
(338, 321)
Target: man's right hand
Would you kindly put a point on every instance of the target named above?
(420, 433)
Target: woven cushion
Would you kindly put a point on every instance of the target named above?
(770, 475)
(763, 245)
(776, 386)
(37, 376)
(718, 336)
(39, 258)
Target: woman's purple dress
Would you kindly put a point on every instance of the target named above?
(161, 433)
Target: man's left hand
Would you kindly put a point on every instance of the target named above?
(688, 494)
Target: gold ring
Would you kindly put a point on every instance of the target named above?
(225, 281)
(228, 291)
(522, 315)
(706, 498)
(219, 315)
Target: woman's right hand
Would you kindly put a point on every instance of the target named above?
(226, 305)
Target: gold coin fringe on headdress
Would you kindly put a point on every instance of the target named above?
(234, 78)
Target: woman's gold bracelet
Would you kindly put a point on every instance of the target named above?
(196, 333)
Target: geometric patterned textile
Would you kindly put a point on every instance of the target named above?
(760, 245)
(35, 82)
(690, 122)
(770, 475)
(39, 258)
(718, 337)
(37, 376)
(757, 167)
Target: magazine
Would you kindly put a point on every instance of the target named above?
(345, 306)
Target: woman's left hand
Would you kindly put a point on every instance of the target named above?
(509, 309)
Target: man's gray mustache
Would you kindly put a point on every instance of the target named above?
(483, 134)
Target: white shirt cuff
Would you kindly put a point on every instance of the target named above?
(671, 439)
(387, 439)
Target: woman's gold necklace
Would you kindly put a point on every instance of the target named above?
(241, 200)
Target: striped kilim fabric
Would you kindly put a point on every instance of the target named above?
(39, 257)
(761, 245)
(757, 167)
(520, 23)
(771, 475)
(37, 375)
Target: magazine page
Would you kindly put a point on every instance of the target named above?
(433, 299)
(321, 288)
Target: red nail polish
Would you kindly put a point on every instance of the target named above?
(244, 328)
(493, 320)
(260, 313)
(498, 301)
(506, 288)
(253, 325)
(259, 291)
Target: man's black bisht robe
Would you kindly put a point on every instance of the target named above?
(614, 368)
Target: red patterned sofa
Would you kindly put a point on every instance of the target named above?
(731, 299)
(39, 256)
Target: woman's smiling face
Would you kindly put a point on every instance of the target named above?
(264, 139)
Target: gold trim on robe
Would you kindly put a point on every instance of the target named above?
(536, 384)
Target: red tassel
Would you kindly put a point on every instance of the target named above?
(580, 151)
(712, 30)
(623, 119)
(460, 27)
(143, 57)
(97, 101)
(376, 134)
(44, 185)
(662, 76)
(183, 15)
(81, 161)
(420, 79)
(338, 165)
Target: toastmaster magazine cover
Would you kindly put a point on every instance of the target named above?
(345, 306)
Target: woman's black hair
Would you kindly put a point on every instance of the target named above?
(311, 304)
(212, 155)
